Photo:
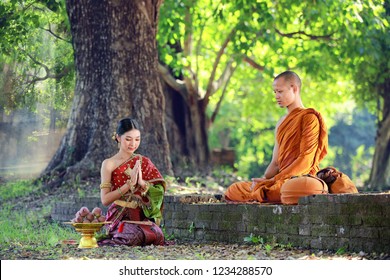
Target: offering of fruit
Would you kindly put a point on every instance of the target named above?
(97, 212)
(86, 216)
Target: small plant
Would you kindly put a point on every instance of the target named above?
(80, 192)
(192, 227)
(254, 239)
(268, 248)
(167, 236)
(287, 246)
(341, 251)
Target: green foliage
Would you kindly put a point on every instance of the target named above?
(36, 56)
(366, 53)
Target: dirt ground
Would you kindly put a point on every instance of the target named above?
(178, 251)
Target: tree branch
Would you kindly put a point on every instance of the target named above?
(192, 81)
(48, 75)
(221, 51)
(198, 44)
(296, 35)
(225, 76)
(177, 85)
(254, 64)
(55, 35)
(228, 72)
(216, 110)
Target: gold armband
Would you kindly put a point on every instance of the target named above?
(105, 185)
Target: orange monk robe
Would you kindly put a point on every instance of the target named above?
(303, 142)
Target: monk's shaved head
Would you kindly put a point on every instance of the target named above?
(290, 76)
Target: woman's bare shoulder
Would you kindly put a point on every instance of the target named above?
(109, 163)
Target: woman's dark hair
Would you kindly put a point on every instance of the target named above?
(125, 125)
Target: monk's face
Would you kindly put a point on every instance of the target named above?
(285, 92)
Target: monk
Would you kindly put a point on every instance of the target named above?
(301, 142)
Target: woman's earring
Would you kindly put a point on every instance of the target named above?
(119, 145)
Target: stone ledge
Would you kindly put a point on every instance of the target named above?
(355, 222)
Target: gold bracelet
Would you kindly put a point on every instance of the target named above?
(120, 192)
(147, 186)
(106, 185)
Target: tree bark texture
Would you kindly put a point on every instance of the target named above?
(380, 171)
(115, 52)
(187, 125)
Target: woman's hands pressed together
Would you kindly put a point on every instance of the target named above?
(136, 178)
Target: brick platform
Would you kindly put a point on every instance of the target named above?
(64, 211)
(355, 222)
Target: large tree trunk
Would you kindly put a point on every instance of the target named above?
(116, 76)
(186, 123)
(380, 172)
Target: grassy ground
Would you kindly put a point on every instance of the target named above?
(27, 232)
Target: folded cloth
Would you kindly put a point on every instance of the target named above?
(337, 181)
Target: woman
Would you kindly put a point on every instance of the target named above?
(134, 189)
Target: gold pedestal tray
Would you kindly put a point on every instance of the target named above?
(87, 231)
